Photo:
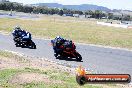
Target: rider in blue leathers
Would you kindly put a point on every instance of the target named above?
(18, 32)
(27, 36)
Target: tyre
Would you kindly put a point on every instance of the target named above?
(55, 54)
(78, 56)
(33, 46)
(23, 45)
(17, 45)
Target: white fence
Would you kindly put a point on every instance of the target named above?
(115, 25)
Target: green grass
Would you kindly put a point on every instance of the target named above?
(5, 75)
(68, 80)
(79, 30)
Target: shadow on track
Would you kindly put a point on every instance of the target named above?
(67, 59)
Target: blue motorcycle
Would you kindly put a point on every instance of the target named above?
(23, 40)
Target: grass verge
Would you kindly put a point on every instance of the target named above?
(30, 76)
(68, 80)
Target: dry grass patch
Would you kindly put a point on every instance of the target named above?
(79, 30)
(24, 78)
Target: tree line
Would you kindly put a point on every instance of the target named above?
(45, 10)
(14, 6)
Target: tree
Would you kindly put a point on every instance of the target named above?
(27, 9)
(89, 12)
(110, 15)
(127, 18)
(80, 12)
(98, 14)
(61, 12)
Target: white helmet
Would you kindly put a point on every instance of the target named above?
(17, 27)
(58, 37)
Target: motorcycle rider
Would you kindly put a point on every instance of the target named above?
(65, 48)
(18, 32)
(21, 34)
(57, 43)
(22, 38)
(27, 36)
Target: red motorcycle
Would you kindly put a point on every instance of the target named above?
(68, 49)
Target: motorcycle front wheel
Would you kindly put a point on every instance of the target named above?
(33, 46)
(78, 56)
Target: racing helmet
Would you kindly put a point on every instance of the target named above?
(59, 39)
(17, 27)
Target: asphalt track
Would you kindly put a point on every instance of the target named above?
(96, 59)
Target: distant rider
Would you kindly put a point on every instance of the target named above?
(18, 32)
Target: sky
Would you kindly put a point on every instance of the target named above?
(112, 4)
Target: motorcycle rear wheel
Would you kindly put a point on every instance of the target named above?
(17, 45)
